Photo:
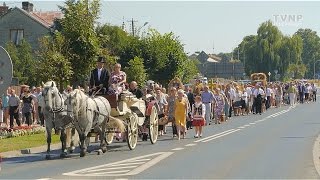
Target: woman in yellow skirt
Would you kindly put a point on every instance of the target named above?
(181, 106)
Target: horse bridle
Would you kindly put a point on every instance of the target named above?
(54, 109)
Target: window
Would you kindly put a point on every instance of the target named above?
(16, 35)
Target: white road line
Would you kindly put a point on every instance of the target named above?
(221, 135)
(241, 127)
(188, 145)
(213, 135)
(44, 179)
(110, 173)
(117, 168)
(126, 167)
(252, 123)
(247, 125)
(177, 149)
(149, 164)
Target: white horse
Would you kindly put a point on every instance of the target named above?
(91, 114)
(55, 114)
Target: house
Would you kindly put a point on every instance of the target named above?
(212, 66)
(24, 23)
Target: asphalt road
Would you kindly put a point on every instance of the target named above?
(275, 145)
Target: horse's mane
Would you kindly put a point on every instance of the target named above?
(82, 98)
(49, 84)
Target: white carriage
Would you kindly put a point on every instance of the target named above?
(134, 113)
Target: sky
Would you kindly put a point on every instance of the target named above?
(212, 26)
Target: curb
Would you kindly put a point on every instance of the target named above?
(316, 154)
(33, 150)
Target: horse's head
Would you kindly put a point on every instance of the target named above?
(73, 102)
(49, 93)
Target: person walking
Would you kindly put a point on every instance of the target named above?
(292, 94)
(207, 98)
(14, 103)
(5, 106)
(171, 99)
(258, 96)
(198, 116)
(180, 113)
(27, 106)
(314, 92)
(218, 105)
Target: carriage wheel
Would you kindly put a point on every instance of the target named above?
(109, 138)
(154, 124)
(132, 131)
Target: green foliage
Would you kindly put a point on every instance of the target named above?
(297, 70)
(136, 71)
(311, 49)
(24, 65)
(53, 64)
(78, 30)
(270, 50)
(162, 54)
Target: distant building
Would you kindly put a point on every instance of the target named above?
(212, 66)
(23, 23)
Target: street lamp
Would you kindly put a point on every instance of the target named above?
(146, 23)
(314, 69)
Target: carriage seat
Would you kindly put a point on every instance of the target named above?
(113, 100)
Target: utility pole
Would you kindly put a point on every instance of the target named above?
(132, 26)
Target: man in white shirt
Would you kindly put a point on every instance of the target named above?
(258, 95)
(249, 97)
(268, 94)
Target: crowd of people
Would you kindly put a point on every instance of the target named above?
(20, 109)
(185, 107)
(197, 107)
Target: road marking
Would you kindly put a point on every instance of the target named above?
(247, 125)
(177, 149)
(221, 135)
(252, 123)
(44, 179)
(126, 167)
(241, 127)
(213, 135)
(188, 145)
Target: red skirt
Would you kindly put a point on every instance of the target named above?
(198, 122)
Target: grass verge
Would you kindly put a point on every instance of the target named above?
(23, 142)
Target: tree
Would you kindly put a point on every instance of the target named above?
(136, 71)
(78, 29)
(53, 64)
(311, 49)
(24, 64)
(190, 70)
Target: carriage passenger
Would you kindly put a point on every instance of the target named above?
(133, 88)
(118, 79)
(99, 80)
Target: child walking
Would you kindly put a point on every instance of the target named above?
(198, 115)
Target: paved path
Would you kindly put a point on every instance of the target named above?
(277, 144)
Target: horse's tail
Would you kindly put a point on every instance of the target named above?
(116, 123)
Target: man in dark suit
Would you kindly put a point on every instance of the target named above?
(99, 80)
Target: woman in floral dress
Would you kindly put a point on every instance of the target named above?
(118, 79)
(218, 105)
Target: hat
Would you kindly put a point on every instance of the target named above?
(101, 59)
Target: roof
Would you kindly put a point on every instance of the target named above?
(48, 17)
(44, 18)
